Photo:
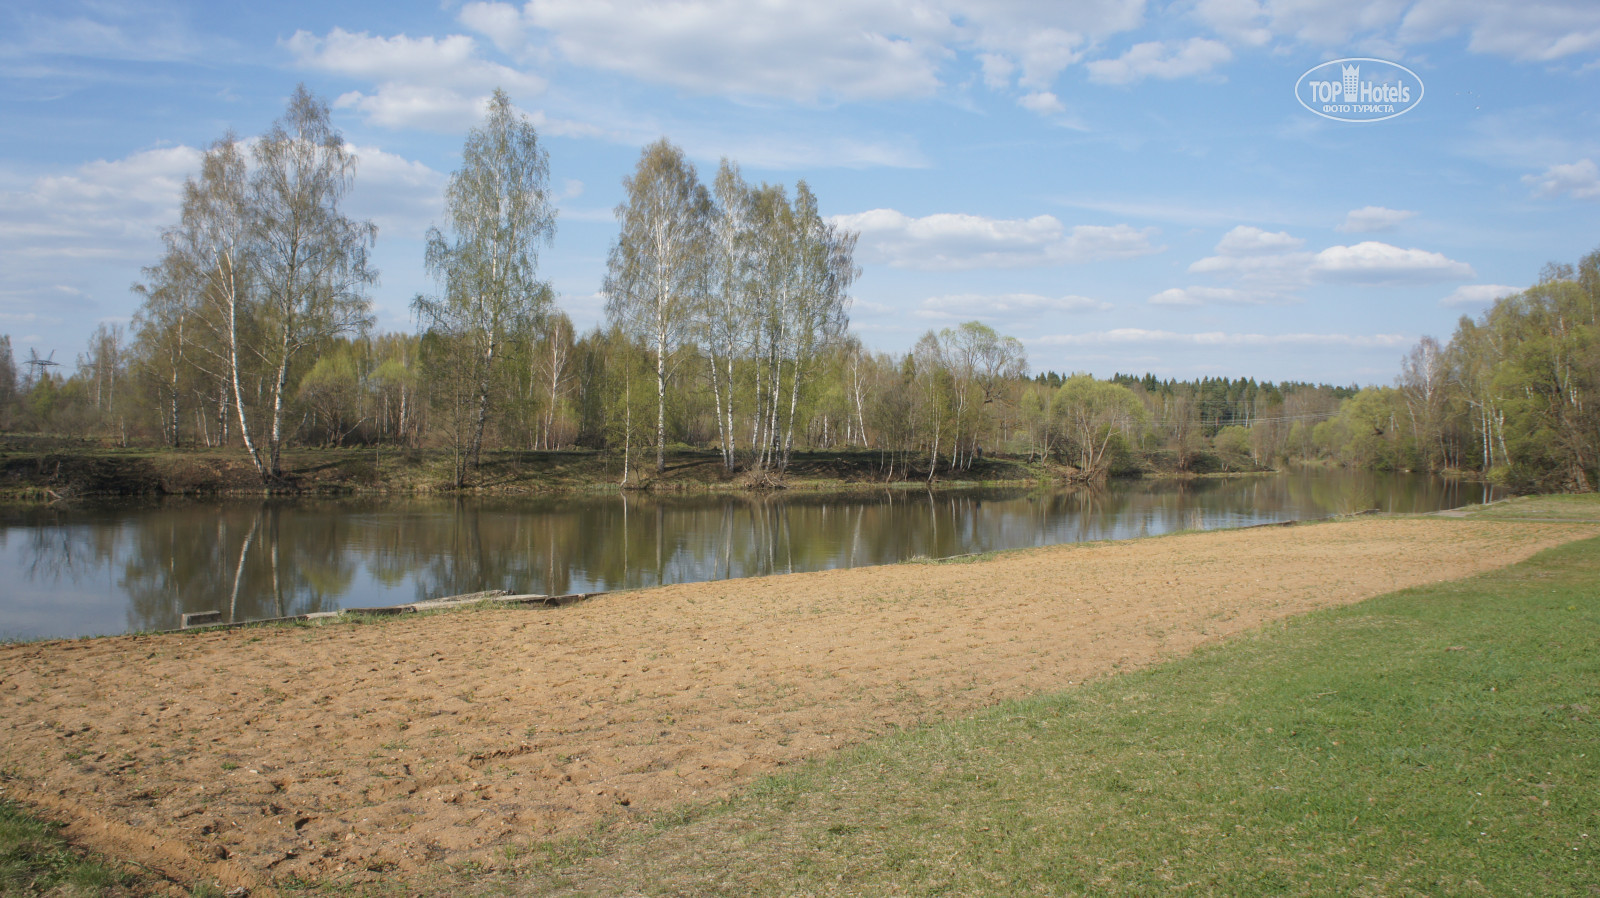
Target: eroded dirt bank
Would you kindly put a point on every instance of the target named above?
(248, 756)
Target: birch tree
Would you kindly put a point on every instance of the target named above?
(656, 275)
(213, 240)
(726, 318)
(819, 309)
(500, 214)
(310, 258)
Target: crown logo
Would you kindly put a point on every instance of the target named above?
(1352, 81)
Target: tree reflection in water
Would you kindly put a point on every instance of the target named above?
(91, 569)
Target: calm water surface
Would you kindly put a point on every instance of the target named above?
(95, 569)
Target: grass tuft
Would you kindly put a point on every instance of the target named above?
(35, 860)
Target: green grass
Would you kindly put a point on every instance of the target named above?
(1443, 740)
(35, 860)
(1541, 508)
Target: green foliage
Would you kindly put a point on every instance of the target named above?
(1515, 394)
(1233, 440)
(1090, 413)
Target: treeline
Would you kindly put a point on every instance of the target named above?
(727, 328)
(1514, 394)
(961, 393)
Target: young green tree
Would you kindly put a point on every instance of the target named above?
(657, 273)
(499, 208)
(1092, 412)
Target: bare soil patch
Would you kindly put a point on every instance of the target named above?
(356, 750)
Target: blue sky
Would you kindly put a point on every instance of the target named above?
(1124, 185)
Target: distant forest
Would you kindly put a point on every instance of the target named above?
(727, 328)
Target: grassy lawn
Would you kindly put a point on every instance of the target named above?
(1437, 741)
(34, 860)
(1541, 508)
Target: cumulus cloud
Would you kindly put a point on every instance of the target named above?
(1580, 180)
(1477, 296)
(1161, 59)
(1368, 219)
(102, 209)
(1267, 265)
(1260, 267)
(1007, 305)
(1370, 262)
(948, 241)
(1270, 266)
(401, 195)
(1245, 240)
(424, 82)
(1220, 339)
(71, 242)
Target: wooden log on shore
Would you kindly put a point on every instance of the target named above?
(213, 619)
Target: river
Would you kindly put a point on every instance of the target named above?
(98, 568)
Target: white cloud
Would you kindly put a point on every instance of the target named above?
(997, 69)
(1370, 262)
(1042, 102)
(1042, 39)
(1534, 31)
(1478, 295)
(107, 31)
(948, 241)
(1245, 240)
(425, 82)
(1271, 265)
(1267, 264)
(103, 209)
(1373, 218)
(501, 23)
(62, 235)
(1219, 339)
(401, 195)
(1239, 21)
(1580, 179)
(1330, 22)
(1199, 296)
(967, 306)
(1161, 59)
(808, 51)
(1280, 272)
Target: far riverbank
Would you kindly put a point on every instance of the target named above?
(46, 471)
